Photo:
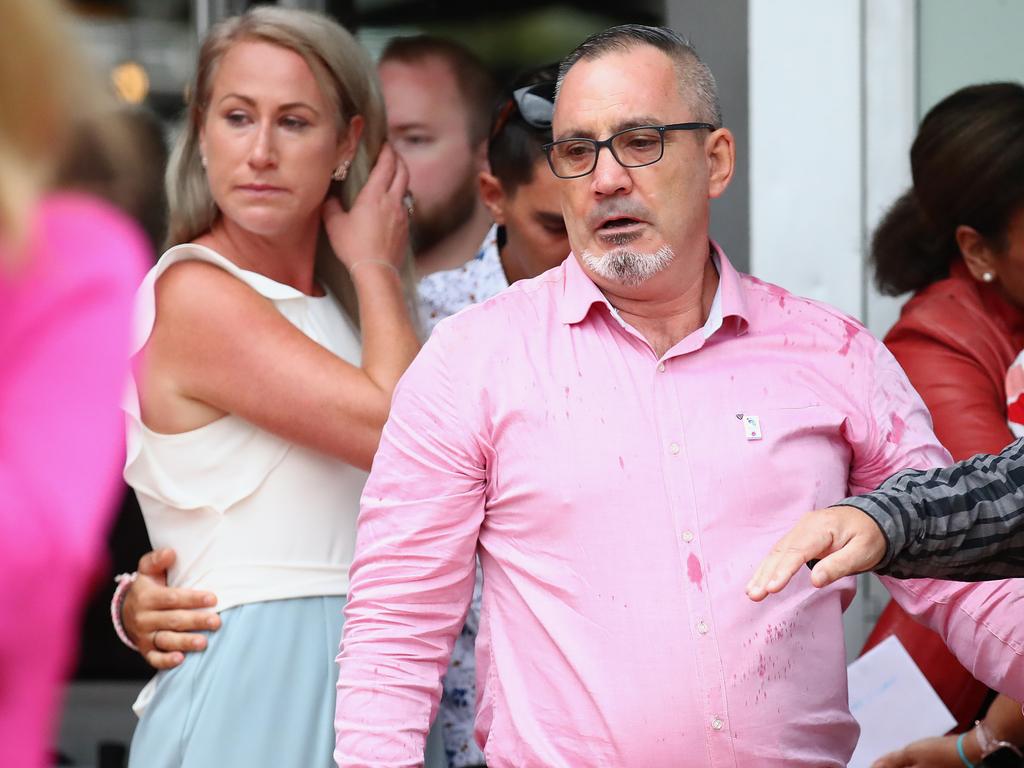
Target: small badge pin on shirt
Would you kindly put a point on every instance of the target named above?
(751, 427)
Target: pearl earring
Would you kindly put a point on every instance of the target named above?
(341, 172)
(987, 277)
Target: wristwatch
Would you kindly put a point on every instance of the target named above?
(996, 753)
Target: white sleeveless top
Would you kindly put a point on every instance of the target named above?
(251, 516)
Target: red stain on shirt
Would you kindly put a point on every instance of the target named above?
(898, 428)
(778, 293)
(694, 572)
(851, 333)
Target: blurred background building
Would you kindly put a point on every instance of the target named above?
(824, 99)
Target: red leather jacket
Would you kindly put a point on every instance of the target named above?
(955, 339)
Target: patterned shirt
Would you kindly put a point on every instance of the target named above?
(964, 522)
(441, 295)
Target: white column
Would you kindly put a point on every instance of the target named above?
(806, 123)
(890, 114)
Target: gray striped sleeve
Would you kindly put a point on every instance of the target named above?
(964, 522)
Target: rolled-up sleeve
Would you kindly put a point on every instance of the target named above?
(412, 576)
(980, 622)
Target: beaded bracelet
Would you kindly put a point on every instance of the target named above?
(124, 582)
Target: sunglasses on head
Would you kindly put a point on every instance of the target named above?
(535, 104)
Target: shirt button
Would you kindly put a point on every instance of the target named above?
(673, 448)
(702, 627)
(687, 536)
(661, 367)
(718, 723)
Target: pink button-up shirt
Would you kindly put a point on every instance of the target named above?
(620, 503)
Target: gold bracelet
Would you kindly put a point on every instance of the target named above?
(383, 263)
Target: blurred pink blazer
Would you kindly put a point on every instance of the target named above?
(65, 310)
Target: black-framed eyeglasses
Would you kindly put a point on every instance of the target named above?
(631, 148)
(535, 103)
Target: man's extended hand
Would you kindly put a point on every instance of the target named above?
(161, 620)
(843, 539)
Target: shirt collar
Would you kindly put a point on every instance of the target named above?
(579, 294)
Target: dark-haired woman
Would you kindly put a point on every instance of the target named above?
(956, 239)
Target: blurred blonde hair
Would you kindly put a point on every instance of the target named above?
(47, 92)
(348, 80)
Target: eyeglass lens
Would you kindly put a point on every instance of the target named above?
(632, 148)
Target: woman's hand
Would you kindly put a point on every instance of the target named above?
(377, 226)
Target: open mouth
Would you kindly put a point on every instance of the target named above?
(619, 224)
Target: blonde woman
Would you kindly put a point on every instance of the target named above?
(68, 266)
(257, 413)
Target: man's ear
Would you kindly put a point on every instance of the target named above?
(721, 151)
(493, 196)
(977, 254)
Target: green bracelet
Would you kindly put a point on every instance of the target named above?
(960, 751)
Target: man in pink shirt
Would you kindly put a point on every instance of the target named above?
(608, 437)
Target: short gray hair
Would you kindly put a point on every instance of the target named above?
(696, 83)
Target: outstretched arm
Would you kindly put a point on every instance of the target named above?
(964, 522)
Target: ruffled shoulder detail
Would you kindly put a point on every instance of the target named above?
(212, 467)
(216, 465)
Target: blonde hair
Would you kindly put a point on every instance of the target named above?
(346, 77)
(47, 93)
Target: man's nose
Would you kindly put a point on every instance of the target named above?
(609, 177)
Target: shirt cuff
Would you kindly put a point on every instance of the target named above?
(886, 519)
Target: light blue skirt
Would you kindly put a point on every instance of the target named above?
(261, 694)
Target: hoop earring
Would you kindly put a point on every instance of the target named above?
(341, 172)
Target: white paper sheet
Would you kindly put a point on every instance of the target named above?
(893, 702)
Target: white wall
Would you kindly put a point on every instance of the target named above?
(968, 41)
(890, 61)
(832, 114)
(805, 148)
